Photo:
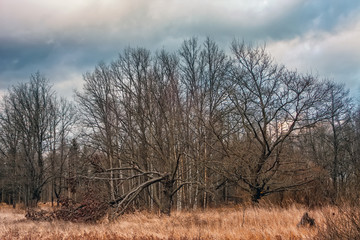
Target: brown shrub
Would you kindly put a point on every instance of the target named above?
(342, 224)
(39, 215)
(90, 209)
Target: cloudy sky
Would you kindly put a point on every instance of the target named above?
(65, 38)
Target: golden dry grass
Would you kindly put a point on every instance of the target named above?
(221, 223)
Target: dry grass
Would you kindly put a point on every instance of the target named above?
(341, 224)
(221, 223)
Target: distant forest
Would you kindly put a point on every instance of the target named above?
(197, 127)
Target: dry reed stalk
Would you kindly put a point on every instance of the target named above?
(221, 223)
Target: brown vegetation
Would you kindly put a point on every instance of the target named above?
(200, 128)
(237, 222)
(89, 210)
(341, 224)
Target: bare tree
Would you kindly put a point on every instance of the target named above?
(152, 113)
(272, 104)
(62, 129)
(98, 107)
(189, 128)
(204, 70)
(31, 103)
(339, 116)
(10, 153)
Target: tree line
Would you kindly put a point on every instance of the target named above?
(197, 127)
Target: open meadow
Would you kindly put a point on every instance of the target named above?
(221, 223)
(179, 119)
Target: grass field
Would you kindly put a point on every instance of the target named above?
(220, 223)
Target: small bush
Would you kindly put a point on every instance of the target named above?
(90, 209)
(40, 215)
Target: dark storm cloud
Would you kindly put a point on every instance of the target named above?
(272, 22)
(15, 55)
(64, 40)
(321, 15)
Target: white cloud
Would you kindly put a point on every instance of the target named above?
(79, 33)
(39, 19)
(334, 55)
(71, 81)
(3, 92)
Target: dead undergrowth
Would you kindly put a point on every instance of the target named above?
(234, 222)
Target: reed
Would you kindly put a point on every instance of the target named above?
(235, 222)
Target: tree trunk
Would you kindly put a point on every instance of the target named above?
(2, 191)
(168, 188)
(256, 194)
